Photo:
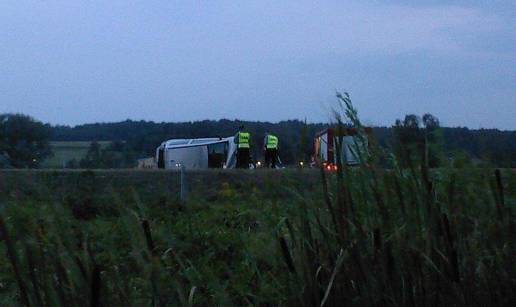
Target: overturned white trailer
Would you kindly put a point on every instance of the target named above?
(197, 153)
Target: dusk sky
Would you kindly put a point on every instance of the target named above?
(74, 62)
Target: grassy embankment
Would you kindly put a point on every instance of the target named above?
(123, 237)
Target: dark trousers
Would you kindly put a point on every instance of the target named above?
(242, 158)
(271, 158)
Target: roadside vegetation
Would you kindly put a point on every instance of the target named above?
(407, 235)
(24, 141)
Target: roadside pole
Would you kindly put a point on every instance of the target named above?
(184, 187)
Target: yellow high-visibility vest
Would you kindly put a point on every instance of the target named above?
(272, 142)
(243, 139)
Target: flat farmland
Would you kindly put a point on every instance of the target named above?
(64, 151)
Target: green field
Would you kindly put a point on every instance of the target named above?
(362, 237)
(65, 151)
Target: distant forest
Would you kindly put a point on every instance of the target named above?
(492, 146)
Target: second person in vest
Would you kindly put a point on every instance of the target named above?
(243, 141)
(270, 146)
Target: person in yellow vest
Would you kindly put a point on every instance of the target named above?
(243, 142)
(270, 146)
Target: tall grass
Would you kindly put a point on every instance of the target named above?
(401, 237)
(362, 236)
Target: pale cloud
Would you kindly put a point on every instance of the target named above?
(344, 27)
(83, 61)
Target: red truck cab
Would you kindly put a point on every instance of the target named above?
(325, 154)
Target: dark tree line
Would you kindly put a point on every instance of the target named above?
(116, 155)
(418, 139)
(143, 137)
(24, 142)
(445, 145)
